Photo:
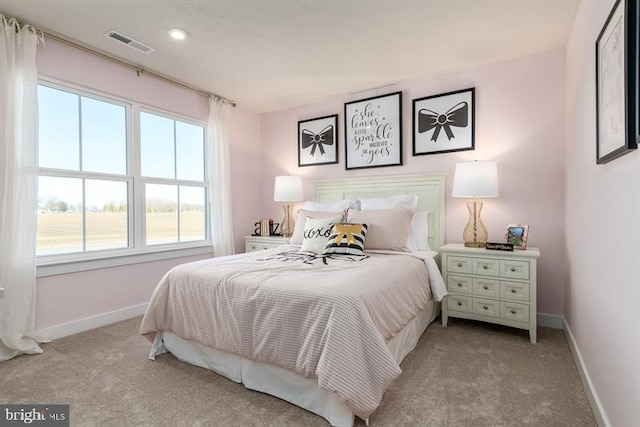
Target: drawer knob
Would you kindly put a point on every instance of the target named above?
(513, 311)
(459, 284)
(459, 303)
(513, 269)
(485, 307)
(513, 291)
(485, 267)
(459, 264)
(485, 287)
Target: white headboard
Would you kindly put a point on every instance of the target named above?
(429, 188)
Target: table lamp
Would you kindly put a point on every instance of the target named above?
(287, 189)
(475, 179)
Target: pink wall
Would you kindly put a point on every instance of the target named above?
(70, 297)
(602, 209)
(519, 124)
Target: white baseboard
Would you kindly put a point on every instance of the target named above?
(592, 396)
(88, 323)
(550, 321)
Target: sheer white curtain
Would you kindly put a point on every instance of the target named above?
(18, 187)
(219, 176)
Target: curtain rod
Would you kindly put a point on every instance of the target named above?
(138, 70)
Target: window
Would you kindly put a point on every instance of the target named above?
(172, 165)
(94, 176)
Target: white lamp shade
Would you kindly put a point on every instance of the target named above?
(475, 179)
(287, 189)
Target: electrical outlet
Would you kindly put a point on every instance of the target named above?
(1, 293)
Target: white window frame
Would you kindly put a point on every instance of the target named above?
(137, 251)
(171, 181)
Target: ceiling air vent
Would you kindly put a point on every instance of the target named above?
(132, 43)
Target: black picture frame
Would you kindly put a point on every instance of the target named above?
(373, 132)
(444, 123)
(617, 83)
(318, 141)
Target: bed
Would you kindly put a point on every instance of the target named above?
(326, 333)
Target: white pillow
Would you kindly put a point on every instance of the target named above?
(317, 232)
(388, 228)
(298, 230)
(420, 231)
(407, 201)
(340, 206)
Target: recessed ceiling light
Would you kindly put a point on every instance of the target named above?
(177, 33)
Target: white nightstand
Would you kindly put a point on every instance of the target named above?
(492, 286)
(258, 243)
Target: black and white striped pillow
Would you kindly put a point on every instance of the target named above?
(347, 239)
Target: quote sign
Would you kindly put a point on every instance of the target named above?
(373, 131)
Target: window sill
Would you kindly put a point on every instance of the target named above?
(66, 267)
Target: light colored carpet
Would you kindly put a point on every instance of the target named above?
(468, 374)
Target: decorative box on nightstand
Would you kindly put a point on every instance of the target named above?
(492, 286)
(258, 243)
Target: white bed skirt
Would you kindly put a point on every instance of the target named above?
(279, 382)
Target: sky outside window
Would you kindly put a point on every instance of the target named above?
(86, 188)
(59, 131)
(104, 137)
(157, 145)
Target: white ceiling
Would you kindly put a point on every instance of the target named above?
(274, 54)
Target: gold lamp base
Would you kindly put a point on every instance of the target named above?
(475, 233)
(288, 224)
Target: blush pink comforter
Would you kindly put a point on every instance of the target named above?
(329, 322)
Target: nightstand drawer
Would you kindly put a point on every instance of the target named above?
(486, 267)
(259, 243)
(514, 311)
(486, 307)
(458, 264)
(251, 247)
(460, 284)
(514, 269)
(486, 287)
(459, 303)
(514, 291)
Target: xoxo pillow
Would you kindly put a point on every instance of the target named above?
(316, 233)
(303, 214)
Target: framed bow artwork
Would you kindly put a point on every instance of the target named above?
(444, 123)
(318, 141)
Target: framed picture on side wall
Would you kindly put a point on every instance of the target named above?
(617, 83)
(444, 123)
(318, 141)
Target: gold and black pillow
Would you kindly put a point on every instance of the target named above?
(347, 239)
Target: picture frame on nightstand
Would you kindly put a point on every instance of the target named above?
(517, 235)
